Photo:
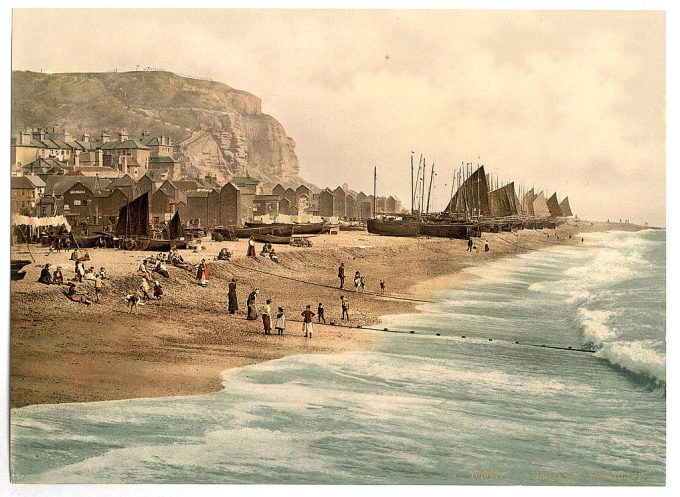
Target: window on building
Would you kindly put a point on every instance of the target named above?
(76, 202)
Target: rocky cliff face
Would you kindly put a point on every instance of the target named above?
(218, 130)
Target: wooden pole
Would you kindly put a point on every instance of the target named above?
(375, 180)
(412, 198)
(429, 190)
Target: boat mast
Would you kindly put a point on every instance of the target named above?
(429, 190)
(412, 199)
(375, 180)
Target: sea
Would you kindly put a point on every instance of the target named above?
(543, 369)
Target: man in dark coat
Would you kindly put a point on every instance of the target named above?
(341, 274)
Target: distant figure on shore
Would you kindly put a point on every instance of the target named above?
(203, 274)
(362, 284)
(320, 313)
(307, 325)
(45, 275)
(145, 288)
(252, 314)
(251, 247)
(345, 307)
(382, 287)
(267, 318)
(486, 246)
(157, 290)
(74, 296)
(98, 285)
(581, 240)
(470, 244)
(280, 321)
(233, 300)
(357, 281)
(58, 277)
(341, 274)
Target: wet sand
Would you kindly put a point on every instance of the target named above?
(63, 351)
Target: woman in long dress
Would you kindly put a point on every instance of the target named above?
(252, 313)
(233, 301)
(251, 247)
(203, 274)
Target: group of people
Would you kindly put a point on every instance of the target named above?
(472, 246)
(269, 251)
(359, 280)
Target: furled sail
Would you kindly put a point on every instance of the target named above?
(502, 202)
(133, 218)
(528, 202)
(565, 207)
(472, 196)
(540, 206)
(554, 206)
(176, 228)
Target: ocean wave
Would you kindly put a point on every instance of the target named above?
(636, 358)
(594, 326)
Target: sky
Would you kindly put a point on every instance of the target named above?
(565, 101)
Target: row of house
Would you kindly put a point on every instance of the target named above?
(40, 152)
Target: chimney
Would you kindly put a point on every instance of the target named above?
(123, 135)
(105, 137)
(99, 160)
(122, 164)
(86, 138)
(39, 134)
(67, 137)
(24, 137)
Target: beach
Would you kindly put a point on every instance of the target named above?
(63, 351)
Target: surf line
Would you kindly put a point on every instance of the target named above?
(345, 290)
(411, 332)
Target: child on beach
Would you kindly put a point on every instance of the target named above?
(357, 281)
(157, 290)
(266, 322)
(345, 307)
(320, 313)
(307, 325)
(382, 287)
(362, 284)
(98, 284)
(280, 321)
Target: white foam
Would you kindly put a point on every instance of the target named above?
(595, 329)
(636, 358)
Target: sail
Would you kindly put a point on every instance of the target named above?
(176, 228)
(502, 202)
(540, 206)
(472, 196)
(133, 218)
(565, 207)
(554, 206)
(528, 202)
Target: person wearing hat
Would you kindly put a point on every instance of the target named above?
(157, 290)
(58, 277)
(252, 313)
(233, 300)
(280, 321)
(202, 274)
(45, 275)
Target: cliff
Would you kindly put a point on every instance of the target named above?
(217, 130)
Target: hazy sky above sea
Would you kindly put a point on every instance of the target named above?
(572, 102)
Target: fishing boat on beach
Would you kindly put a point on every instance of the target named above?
(267, 238)
(134, 231)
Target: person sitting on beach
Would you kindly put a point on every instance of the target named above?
(84, 257)
(45, 275)
(266, 248)
(58, 277)
(280, 321)
(273, 256)
(142, 270)
(157, 290)
(102, 273)
(307, 325)
(75, 255)
(162, 269)
(224, 254)
(74, 296)
(357, 281)
(89, 273)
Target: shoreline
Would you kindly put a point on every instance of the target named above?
(67, 352)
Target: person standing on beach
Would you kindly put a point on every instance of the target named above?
(98, 284)
(486, 246)
(251, 247)
(203, 274)
(345, 308)
(307, 325)
(252, 314)
(357, 281)
(233, 300)
(320, 313)
(382, 287)
(280, 321)
(470, 243)
(341, 274)
(145, 288)
(267, 318)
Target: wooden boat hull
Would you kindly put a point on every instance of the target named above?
(461, 231)
(272, 239)
(392, 228)
(264, 230)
